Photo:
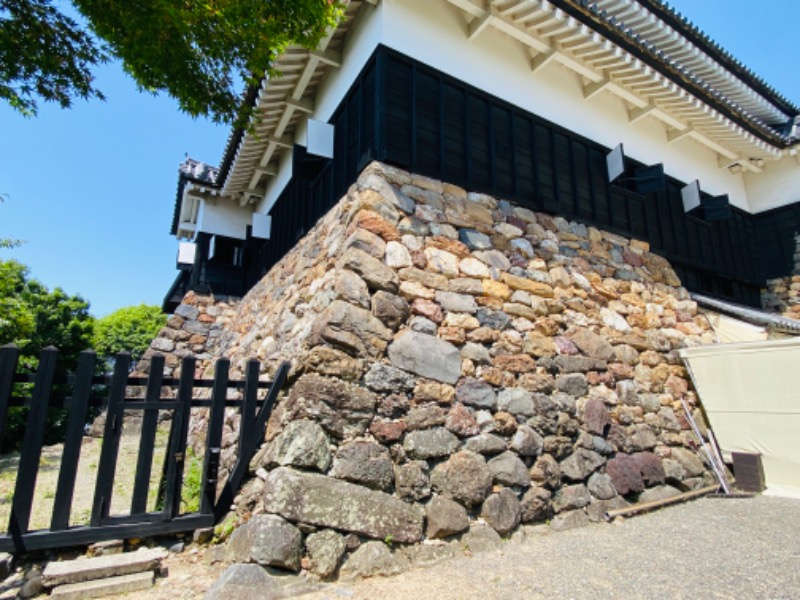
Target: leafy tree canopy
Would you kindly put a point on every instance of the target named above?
(33, 317)
(8, 242)
(198, 51)
(128, 329)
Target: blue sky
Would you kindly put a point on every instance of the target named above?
(91, 189)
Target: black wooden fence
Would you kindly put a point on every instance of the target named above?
(84, 390)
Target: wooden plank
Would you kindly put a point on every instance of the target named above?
(214, 437)
(111, 437)
(77, 536)
(9, 355)
(144, 462)
(32, 444)
(175, 457)
(65, 488)
(248, 438)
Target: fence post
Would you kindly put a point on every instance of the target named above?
(214, 436)
(104, 487)
(32, 443)
(65, 489)
(144, 463)
(247, 439)
(175, 458)
(9, 355)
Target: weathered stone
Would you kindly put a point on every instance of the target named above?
(325, 549)
(592, 344)
(121, 584)
(474, 392)
(366, 241)
(426, 356)
(325, 360)
(364, 462)
(528, 285)
(579, 364)
(377, 275)
(580, 464)
(343, 409)
(351, 288)
(641, 437)
(266, 540)
(494, 319)
(374, 558)
(571, 497)
(245, 582)
(473, 268)
(662, 492)
(517, 401)
(430, 443)
(507, 469)
(527, 442)
(301, 444)
(352, 329)
(515, 363)
(481, 538)
(426, 278)
(601, 486)
(464, 477)
(387, 432)
(493, 258)
(624, 472)
(392, 310)
(411, 480)
(444, 518)
(397, 255)
(570, 520)
(574, 384)
(650, 468)
(461, 422)
(428, 309)
(546, 471)
(595, 416)
(74, 571)
(433, 391)
(466, 285)
(384, 378)
(691, 464)
(456, 302)
(329, 502)
(476, 353)
(474, 239)
(425, 417)
(536, 505)
(442, 261)
(502, 511)
(486, 443)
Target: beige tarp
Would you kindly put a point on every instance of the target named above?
(751, 394)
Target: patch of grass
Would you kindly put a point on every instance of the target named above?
(192, 482)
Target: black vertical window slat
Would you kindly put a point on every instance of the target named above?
(479, 141)
(503, 150)
(619, 209)
(544, 167)
(426, 121)
(368, 110)
(454, 134)
(582, 177)
(523, 161)
(563, 170)
(637, 216)
(397, 94)
(600, 187)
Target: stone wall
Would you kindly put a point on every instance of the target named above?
(456, 360)
(782, 296)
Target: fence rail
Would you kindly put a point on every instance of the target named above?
(84, 390)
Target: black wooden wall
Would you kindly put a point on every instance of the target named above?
(410, 115)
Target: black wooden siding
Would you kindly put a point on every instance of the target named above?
(407, 114)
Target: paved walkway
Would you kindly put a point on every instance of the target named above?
(709, 548)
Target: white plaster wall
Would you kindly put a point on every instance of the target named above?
(777, 185)
(364, 36)
(435, 33)
(224, 217)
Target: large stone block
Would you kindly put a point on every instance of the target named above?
(464, 477)
(351, 328)
(426, 355)
(328, 502)
(267, 540)
(302, 444)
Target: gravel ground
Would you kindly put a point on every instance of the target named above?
(709, 548)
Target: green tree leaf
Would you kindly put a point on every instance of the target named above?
(128, 329)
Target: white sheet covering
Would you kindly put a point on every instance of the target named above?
(751, 394)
